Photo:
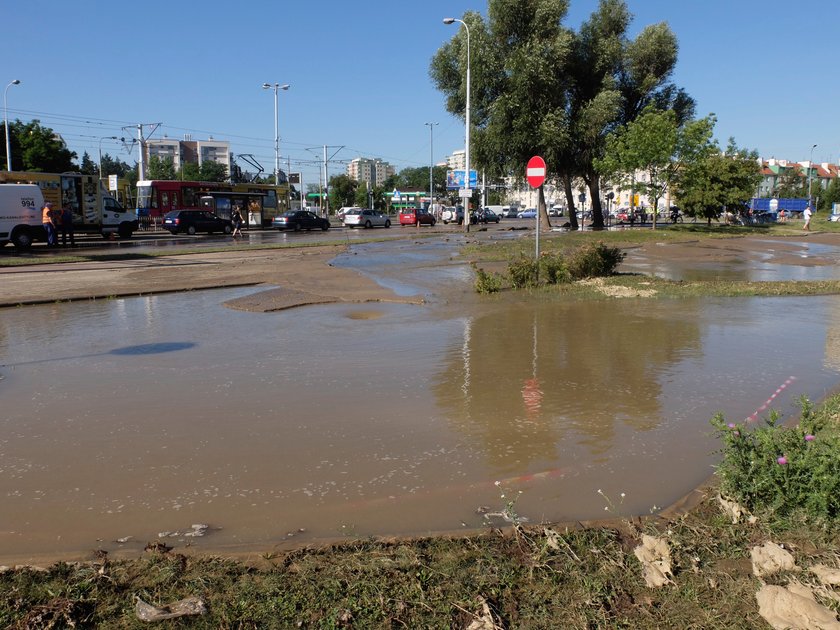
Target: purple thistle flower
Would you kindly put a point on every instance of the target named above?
(809, 438)
(731, 425)
(781, 461)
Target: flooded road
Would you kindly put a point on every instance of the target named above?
(759, 260)
(138, 418)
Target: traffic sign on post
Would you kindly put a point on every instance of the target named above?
(535, 171)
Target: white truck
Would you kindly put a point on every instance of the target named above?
(20, 215)
(95, 210)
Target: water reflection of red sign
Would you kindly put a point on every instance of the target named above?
(532, 396)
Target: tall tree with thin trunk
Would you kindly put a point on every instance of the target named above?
(657, 147)
(519, 85)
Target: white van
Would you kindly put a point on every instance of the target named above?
(20, 215)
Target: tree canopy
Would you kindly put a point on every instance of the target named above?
(719, 181)
(541, 88)
(38, 148)
(657, 146)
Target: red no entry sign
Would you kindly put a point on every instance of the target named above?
(535, 171)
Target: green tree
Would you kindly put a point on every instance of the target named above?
(545, 89)
(519, 62)
(113, 166)
(718, 181)
(189, 172)
(361, 198)
(39, 149)
(211, 171)
(88, 167)
(342, 191)
(656, 145)
(830, 195)
(613, 71)
(791, 184)
(160, 168)
(413, 178)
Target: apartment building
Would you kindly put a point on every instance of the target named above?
(457, 161)
(372, 171)
(189, 151)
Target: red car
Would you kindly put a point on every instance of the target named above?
(416, 216)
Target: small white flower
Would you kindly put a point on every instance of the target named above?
(498, 483)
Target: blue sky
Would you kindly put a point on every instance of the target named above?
(359, 73)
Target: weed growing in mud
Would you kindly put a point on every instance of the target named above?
(486, 282)
(611, 506)
(790, 470)
(522, 272)
(508, 512)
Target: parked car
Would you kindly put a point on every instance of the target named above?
(192, 221)
(450, 214)
(298, 220)
(530, 213)
(556, 211)
(511, 213)
(357, 217)
(487, 216)
(344, 210)
(416, 216)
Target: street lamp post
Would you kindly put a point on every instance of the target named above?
(810, 169)
(467, 126)
(431, 126)
(276, 87)
(100, 151)
(6, 123)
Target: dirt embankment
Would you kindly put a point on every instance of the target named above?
(292, 277)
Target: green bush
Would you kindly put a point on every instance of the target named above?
(785, 470)
(487, 282)
(594, 260)
(557, 268)
(522, 272)
(553, 269)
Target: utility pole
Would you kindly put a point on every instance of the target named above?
(431, 126)
(324, 162)
(141, 166)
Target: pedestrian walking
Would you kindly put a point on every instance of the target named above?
(67, 227)
(807, 215)
(237, 222)
(48, 221)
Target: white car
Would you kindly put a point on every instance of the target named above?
(358, 217)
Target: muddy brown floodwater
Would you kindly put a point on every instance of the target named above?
(131, 419)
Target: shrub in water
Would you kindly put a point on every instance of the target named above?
(487, 282)
(784, 469)
(522, 272)
(553, 269)
(594, 260)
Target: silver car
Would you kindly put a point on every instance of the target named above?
(357, 217)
